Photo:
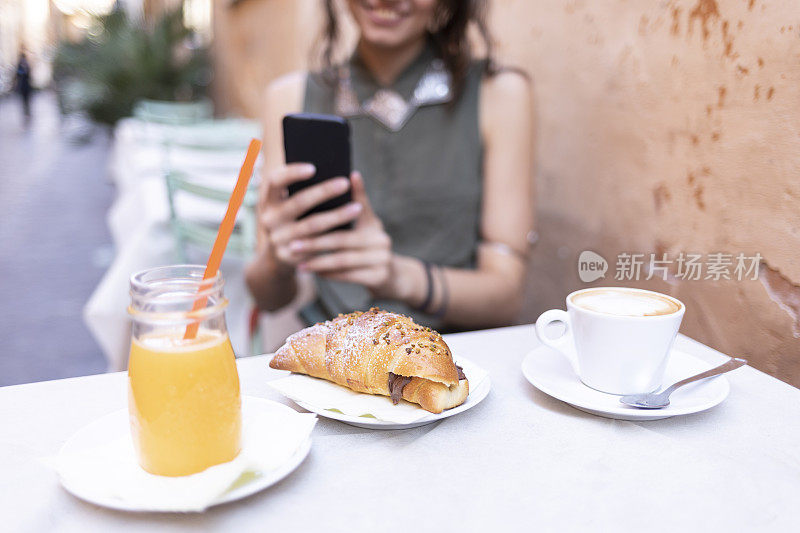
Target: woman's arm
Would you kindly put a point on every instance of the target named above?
(271, 281)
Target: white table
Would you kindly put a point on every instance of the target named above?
(520, 461)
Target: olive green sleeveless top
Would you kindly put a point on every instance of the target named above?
(424, 181)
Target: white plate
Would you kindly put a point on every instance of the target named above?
(114, 424)
(474, 398)
(549, 371)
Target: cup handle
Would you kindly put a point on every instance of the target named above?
(563, 343)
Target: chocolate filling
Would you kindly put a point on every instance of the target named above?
(397, 384)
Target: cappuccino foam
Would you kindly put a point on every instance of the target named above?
(623, 302)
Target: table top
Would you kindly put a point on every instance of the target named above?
(519, 461)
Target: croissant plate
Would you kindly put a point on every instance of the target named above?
(378, 352)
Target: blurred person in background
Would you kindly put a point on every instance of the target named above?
(22, 82)
(442, 190)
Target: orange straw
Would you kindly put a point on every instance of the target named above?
(226, 228)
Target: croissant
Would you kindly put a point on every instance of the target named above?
(378, 352)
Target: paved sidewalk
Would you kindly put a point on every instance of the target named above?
(54, 243)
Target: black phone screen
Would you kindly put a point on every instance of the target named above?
(324, 141)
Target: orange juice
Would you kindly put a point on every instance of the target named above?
(184, 401)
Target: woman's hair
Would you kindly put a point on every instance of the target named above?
(448, 34)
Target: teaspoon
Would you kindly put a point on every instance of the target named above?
(658, 400)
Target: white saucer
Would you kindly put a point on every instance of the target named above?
(474, 398)
(551, 373)
(116, 424)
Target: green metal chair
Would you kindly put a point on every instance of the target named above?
(174, 113)
(202, 164)
(202, 234)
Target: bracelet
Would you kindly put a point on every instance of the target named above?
(505, 249)
(439, 314)
(429, 295)
(531, 238)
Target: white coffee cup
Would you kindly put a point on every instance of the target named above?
(616, 339)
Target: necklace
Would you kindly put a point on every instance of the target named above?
(387, 106)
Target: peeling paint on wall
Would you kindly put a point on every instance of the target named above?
(721, 92)
(661, 196)
(704, 12)
(783, 292)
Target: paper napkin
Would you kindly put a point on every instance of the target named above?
(271, 434)
(325, 395)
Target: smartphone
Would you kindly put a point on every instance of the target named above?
(324, 141)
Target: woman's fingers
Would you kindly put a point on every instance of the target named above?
(300, 250)
(368, 277)
(288, 210)
(302, 201)
(360, 191)
(288, 256)
(340, 240)
(315, 224)
(276, 181)
(347, 260)
(291, 173)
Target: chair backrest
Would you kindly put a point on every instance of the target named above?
(164, 112)
(208, 146)
(219, 133)
(201, 166)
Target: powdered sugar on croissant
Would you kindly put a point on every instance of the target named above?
(366, 352)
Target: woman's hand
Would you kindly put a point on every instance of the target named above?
(279, 212)
(362, 255)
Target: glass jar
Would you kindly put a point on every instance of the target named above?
(183, 393)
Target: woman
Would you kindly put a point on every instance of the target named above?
(442, 195)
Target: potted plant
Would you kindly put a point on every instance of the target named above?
(120, 62)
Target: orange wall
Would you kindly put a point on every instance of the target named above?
(256, 41)
(663, 127)
(671, 127)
